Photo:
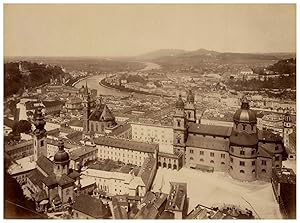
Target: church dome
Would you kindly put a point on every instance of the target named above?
(61, 156)
(179, 102)
(245, 114)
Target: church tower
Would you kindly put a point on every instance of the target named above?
(61, 160)
(179, 127)
(190, 108)
(287, 128)
(39, 136)
(86, 112)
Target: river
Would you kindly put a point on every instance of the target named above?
(93, 82)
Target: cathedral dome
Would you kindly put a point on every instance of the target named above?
(179, 102)
(245, 114)
(61, 156)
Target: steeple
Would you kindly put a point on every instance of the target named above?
(86, 112)
(39, 135)
(190, 108)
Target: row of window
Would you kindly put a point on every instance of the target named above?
(212, 154)
(212, 161)
(242, 163)
(253, 171)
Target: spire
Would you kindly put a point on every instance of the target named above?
(179, 102)
(190, 96)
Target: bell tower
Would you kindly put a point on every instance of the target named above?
(86, 112)
(179, 127)
(190, 108)
(39, 136)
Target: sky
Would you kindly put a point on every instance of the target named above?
(129, 30)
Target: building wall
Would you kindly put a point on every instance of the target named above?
(67, 192)
(264, 171)
(151, 133)
(99, 127)
(77, 128)
(124, 155)
(167, 162)
(20, 150)
(208, 157)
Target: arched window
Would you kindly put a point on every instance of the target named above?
(178, 141)
(201, 160)
(244, 127)
(242, 171)
(178, 123)
(212, 161)
(253, 171)
(189, 114)
(222, 163)
(191, 158)
(263, 171)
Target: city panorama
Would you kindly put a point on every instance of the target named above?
(149, 111)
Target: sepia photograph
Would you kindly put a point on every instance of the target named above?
(149, 111)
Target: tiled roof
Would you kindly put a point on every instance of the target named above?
(90, 206)
(126, 144)
(77, 153)
(209, 130)
(268, 136)
(45, 164)
(101, 113)
(177, 196)
(243, 139)
(208, 143)
(39, 196)
(50, 180)
(120, 129)
(146, 170)
(64, 180)
(264, 153)
(73, 174)
(36, 178)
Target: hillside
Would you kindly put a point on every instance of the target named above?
(18, 76)
(161, 53)
(197, 58)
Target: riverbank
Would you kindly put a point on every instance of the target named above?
(103, 83)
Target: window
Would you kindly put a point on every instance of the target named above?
(231, 167)
(264, 162)
(191, 158)
(231, 159)
(223, 156)
(244, 127)
(42, 142)
(212, 161)
(212, 154)
(178, 141)
(242, 152)
(242, 171)
(202, 153)
(253, 163)
(263, 171)
(201, 160)
(253, 171)
(222, 163)
(242, 163)
(232, 150)
(276, 147)
(178, 123)
(252, 152)
(191, 151)
(277, 158)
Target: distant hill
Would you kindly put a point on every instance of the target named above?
(161, 53)
(168, 57)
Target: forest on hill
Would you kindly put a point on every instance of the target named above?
(20, 75)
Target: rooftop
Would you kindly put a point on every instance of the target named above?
(285, 175)
(79, 152)
(208, 143)
(209, 130)
(22, 165)
(177, 196)
(126, 144)
(95, 207)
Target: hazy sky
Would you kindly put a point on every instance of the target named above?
(127, 30)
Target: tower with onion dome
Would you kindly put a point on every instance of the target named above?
(39, 135)
(179, 126)
(61, 161)
(243, 144)
(190, 108)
